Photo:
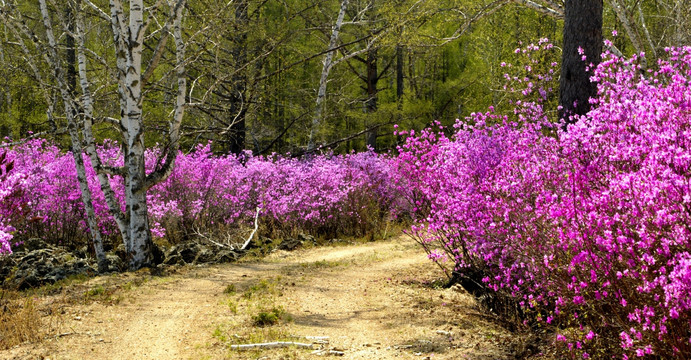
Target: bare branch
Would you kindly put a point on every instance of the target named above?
(625, 19)
(160, 46)
(336, 142)
(272, 345)
(33, 66)
(555, 12)
(287, 67)
(180, 102)
(209, 239)
(256, 226)
(645, 30)
(283, 132)
(484, 11)
(367, 48)
(110, 120)
(33, 136)
(104, 15)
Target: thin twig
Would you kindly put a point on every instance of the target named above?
(256, 226)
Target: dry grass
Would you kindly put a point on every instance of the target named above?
(35, 314)
(23, 320)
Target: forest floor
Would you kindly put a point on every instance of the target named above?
(375, 300)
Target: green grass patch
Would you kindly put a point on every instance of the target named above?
(263, 288)
(322, 264)
(270, 317)
(230, 289)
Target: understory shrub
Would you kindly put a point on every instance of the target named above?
(328, 195)
(587, 230)
(8, 190)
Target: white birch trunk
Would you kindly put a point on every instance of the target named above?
(90, 145)
(180, 100)
(74, 137)
(326, 68)
(129, 30)
(128, 35)
(138, 236)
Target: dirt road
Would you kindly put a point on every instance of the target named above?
(373, 301)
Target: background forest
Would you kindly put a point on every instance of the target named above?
(255, 68)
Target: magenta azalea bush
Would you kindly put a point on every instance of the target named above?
(7, 191)
(589, 230)
(328, 194)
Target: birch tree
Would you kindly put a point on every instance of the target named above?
(133, 28)
(326, 69)
(66, 89)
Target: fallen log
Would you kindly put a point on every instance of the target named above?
(328, 352)
(323, 340)
(272, 345)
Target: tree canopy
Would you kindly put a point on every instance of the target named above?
(254, 67)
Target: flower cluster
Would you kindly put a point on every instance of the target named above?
(327, 194)
(6, 192)
(589, 229)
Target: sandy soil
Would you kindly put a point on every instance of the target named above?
(373, 300)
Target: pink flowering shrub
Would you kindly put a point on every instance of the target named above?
(46, 201)
(327, 195)
(589, 231)
(7, 192)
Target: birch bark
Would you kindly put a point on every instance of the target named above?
(137, 235)
(129, 29)
(326, 69)
(73, 130)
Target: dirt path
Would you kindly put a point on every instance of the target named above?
(373, 301)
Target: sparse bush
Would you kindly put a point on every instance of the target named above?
(269, 317)
(263, 288)
(230, 289)
(95, 291)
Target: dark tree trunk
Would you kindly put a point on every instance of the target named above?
(582, 28)
(71, 52)
(238, 131)
(371, 102)
(399, 72)
(280, 106)
(238, 106)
